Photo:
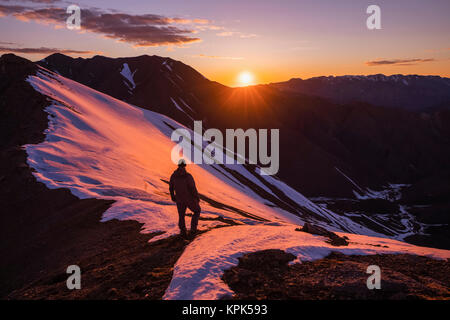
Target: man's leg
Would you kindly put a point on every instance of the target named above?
(195, 208)
(181, 213)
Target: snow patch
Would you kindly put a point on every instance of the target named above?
(177, 105)
(391, 193)
(128, 75)
(167, 65)
(197, 273)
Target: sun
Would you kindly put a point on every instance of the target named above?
(245, 78)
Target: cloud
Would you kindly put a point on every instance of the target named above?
(8, 10)
(217, 57)
(209, 27)
(225, 34)
(236, 33)
(139, 30)
(397, 62)
(44, 50)
(188, 21)
(34, 1)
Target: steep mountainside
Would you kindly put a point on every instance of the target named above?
(155, 83)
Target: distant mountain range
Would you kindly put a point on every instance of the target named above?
(411, 92)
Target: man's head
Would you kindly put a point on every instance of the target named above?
(181, 163)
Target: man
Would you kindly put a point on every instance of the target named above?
(184, 193)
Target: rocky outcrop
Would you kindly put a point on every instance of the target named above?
(266, 275)
(333, 238)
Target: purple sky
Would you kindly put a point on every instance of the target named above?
(274, 40)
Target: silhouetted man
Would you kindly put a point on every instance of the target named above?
(184, 193)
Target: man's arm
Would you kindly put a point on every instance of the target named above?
(193, 188)
(171, 189)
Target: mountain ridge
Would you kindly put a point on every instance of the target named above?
(419, 93)
(373, 77)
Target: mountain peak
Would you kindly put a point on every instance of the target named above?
(12, 66)
(12, 58)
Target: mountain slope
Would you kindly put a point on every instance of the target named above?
(151, 82)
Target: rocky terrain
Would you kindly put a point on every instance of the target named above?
(266, 275)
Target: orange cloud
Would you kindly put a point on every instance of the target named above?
(236, 33)
(144, 30)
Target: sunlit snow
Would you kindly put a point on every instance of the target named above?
(197, 273)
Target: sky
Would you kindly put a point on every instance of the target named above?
(268, 41)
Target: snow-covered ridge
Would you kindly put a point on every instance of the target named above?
(101, 147)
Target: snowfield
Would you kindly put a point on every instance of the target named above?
(197, 273)
(101, 147)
